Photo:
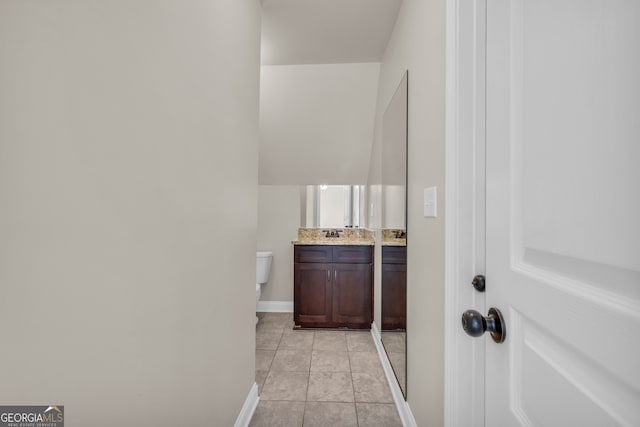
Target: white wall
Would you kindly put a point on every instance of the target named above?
(278, 222)
(418, 44)
(128, 189)
(316, 123)
(393, 207)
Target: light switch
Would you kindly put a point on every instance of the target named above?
(430, 202)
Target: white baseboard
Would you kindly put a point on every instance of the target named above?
(406, 416)
(275, 306)
(249, 407)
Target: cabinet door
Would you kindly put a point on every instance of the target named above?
(394, 296)
(352, 294)
(312, 293)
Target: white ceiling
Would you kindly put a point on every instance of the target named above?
(326, 31)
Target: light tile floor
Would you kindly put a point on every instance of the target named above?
(319, 378)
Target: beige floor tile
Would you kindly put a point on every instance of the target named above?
(360, 341)
(394, 341)
(285, 386)
(330, 387)
(330, 414)
(329, 361)
(378, 415)
(320, 378)
(269, 327)
(268, 339)
(264, 359)
(281, 319)
(297, 340)
(330, 341)
(288, 327)
(371, 388)
(366, 362)
(278, 414)
(291, 360)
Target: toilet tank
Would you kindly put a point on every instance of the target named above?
(263, 266)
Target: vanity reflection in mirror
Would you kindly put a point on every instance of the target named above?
(394, 232)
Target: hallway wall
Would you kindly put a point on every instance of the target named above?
(128, 199)
(278, 222)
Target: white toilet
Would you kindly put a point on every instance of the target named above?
(263, 269)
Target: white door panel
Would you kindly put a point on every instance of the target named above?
(563, 212)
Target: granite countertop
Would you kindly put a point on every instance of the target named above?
(391, 237)
(348, 236)
(334, 241)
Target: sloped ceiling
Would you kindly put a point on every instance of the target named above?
(319, 87)
(316, 123)
(326, 31)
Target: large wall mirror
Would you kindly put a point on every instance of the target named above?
(394, 232)
(332, 206)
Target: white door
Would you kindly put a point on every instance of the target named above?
(563, 212)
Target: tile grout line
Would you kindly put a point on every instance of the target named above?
(306, 395)
(353, 387)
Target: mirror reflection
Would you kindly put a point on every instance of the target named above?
(332, 206)
(394, 232)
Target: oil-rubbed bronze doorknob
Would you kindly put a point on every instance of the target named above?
(475, 324)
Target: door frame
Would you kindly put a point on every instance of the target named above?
(464, 201)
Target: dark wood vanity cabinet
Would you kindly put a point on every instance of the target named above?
(333, 286)
(394, 288)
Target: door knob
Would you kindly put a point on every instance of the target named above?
(475, 324)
